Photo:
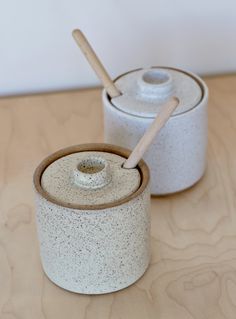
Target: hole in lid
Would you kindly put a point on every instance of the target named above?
(91, 165)
(155, 77)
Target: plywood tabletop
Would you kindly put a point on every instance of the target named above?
(193, 268)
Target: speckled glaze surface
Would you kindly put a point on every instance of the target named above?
(144, 91)
(90, 178)
(177, 156)
(94, 248)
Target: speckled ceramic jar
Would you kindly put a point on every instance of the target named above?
(177, 157)
(93, 218)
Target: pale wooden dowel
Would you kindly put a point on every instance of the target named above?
(95, 63)
(146, 140)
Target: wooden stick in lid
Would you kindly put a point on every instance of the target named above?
(95, 63)
(146, 140)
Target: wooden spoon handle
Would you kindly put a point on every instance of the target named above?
(152, 131)
(95, 63)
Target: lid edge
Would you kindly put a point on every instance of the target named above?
(195, 77)
(100, 147)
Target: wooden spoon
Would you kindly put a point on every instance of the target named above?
(95, 63)
(146, 140)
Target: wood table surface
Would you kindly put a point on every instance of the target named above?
(193, 268)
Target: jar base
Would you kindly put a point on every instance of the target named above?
(154, 195)
(102, 292)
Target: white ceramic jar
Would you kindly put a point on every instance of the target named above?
(177, 157)
(93, 218)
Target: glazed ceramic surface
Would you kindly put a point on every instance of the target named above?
(90, 178)
(93, 218)
(177, 157)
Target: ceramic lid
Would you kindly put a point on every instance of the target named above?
(89, 178)
(145, 90)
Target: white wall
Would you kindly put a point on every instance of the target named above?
(37, 52)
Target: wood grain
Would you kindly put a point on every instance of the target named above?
(193, 270)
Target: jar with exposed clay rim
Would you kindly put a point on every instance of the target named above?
(93, 218)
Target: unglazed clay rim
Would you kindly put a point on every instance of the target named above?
(96, 147)
(196, 78)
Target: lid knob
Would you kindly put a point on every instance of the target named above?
(156, 83)
(92, 173)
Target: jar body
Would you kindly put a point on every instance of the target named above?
(94, 251)
(177, 156)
